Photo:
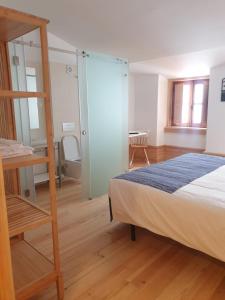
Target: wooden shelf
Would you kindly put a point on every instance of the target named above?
(24, 215)
(14, 24)
(7, 94)
(32, 271)
(23, 161)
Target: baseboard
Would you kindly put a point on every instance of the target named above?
(215, 153)
(199, 150)
(163, 152)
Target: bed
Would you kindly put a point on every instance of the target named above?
(182, 198)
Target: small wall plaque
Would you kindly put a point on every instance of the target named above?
(68, 126)
(223, 90)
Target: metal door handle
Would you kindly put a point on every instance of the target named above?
(83, 132)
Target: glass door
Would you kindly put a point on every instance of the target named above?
(22, 116)
(103, 89)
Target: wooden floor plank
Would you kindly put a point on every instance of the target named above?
(100, 262)
(179, 287)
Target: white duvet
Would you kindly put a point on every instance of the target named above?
(194, 215)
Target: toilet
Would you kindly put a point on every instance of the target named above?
(72, 159)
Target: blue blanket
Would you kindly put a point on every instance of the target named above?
(175, 173)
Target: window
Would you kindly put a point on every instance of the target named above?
(190, 103)
(31, 78)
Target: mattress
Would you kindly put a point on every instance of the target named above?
(192, 214)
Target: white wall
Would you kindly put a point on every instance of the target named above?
(64, 86)
(65, 102)
(148, 105)
(216, 112)
(34, 54)
(146, 92)
(162, 109)
(55, 42)
(186, 140)
(148, 111)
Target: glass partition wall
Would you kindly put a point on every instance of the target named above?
(27, 114)
(90, 115)
(103, 87)
(26, 74)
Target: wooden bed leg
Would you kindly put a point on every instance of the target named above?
(110, 210)
(132, 232)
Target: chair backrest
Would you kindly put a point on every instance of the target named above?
(71, 147)
(141, 140)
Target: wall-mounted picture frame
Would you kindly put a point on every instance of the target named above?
(223, 90)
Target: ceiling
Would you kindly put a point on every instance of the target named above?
(180, 66)
(135, 29)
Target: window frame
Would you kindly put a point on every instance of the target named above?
(190, 123)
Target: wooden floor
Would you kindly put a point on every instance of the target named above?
(100, 262)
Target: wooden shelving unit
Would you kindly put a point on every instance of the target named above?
(24, 271)
(38, 271)
(24, 216)
(23, 161)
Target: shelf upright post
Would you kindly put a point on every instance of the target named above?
(7, 291)
(49, 131)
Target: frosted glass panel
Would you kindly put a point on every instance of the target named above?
(31, 78)
(25, 54)
(106, 105)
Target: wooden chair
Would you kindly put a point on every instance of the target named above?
(139, 142)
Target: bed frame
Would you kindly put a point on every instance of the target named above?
(132, 227)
